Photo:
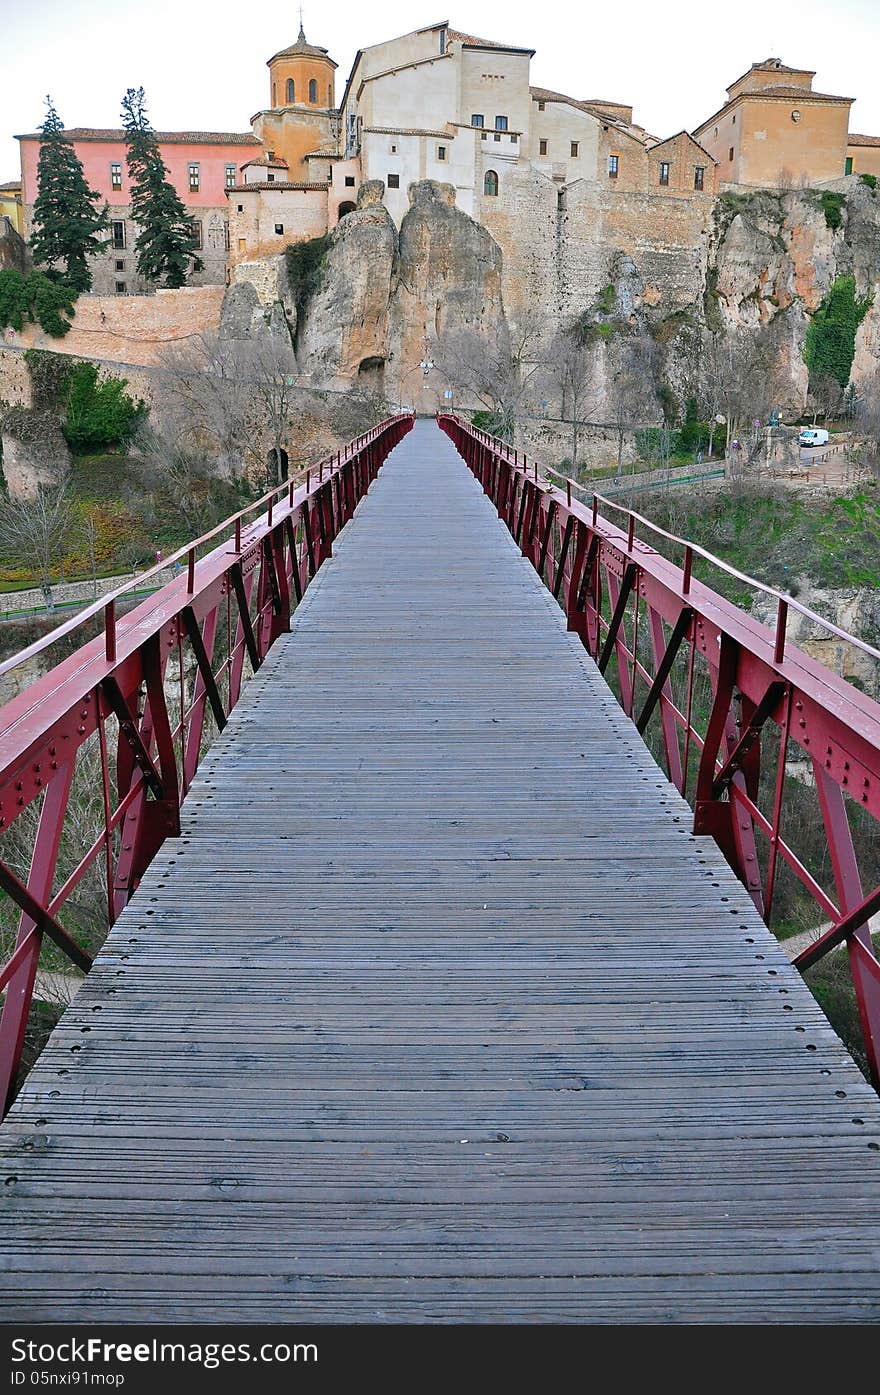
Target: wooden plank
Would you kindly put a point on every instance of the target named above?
(437, 1010)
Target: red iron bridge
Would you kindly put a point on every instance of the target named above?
(429, 994)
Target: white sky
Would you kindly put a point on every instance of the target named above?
(204, 70)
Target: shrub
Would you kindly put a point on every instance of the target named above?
(305, 266)
(832, 206)
(831, 337)
(870, 180)
(36, 299)
(50, 375)
(99, 414)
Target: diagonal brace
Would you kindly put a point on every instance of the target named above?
(129, 729)
(629, 580)
(19, 893)
(194, 634)
(772, 697)
(679, 634)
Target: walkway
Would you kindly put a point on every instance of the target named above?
(437, 1011)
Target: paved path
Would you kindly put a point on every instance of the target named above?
(437, 1011)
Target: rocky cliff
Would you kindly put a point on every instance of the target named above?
(756, 273)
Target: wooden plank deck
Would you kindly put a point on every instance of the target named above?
(437, 1011)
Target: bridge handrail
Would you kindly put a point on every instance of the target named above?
(152, 682)
(756, 678)
(696, 550)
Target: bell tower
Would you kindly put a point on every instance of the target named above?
(303, 75)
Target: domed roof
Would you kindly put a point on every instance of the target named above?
(303, 49)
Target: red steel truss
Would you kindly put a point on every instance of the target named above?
(236, 599)
(629, 603)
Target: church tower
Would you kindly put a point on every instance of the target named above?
(303, 75)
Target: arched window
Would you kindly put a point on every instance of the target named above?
(313, 89)
(490, 184)
(291, 91)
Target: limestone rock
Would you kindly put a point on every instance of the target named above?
(35, 453)
(345, 321)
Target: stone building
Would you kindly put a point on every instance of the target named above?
(775, 131)
(201, 165)
(11, 205)
(863, 155)
(443, 105)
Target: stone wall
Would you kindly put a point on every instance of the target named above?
(127, 330)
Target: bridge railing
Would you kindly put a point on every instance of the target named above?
(97, 754)
(729, 703)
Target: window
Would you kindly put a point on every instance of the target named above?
(574, 149)
(698, 176)
(477, 119)
(848, 167)
(279, 229)
(115, 175)
(394, 150)
(270, 178)
(716, 130)
(441, 152)
(730, 153)
(500, 123)
(231, 173)
(442, 40)
(664, 172)
(542, 106)
(196, 227)
(270, 154)
(734, 119)
(613, 166)
(120, 266)
(226, 236)
(120, 288)
(393, 181)
(490, 184)
(194, 178)
(242, 244)
(313, 90)
(274, 96)
(542, 147)
(291, 91)
(497, 136)
(349, 181)
(118, 231)
(241, 208)
(329, 94)
(329, 174)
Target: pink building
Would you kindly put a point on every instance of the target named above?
(201, 165)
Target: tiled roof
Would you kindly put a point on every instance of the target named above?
(323, 155)
(545, 94)
(303, 49)
(803, 94)
(12, 184)
(471, 41)
(163, 137)
(276, 164)
(852, 139)
(276, 184)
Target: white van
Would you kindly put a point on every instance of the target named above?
(813, 436)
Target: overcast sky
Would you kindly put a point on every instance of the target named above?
(204, 70)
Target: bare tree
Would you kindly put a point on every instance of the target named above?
(496, 373)
(739, 372)
(569, 368)
(35, 530)
(631, 394)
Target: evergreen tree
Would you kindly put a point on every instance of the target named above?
(66, 222)
(166, 244)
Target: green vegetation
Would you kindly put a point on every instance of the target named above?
(870, 180)
(776, 535)
(831, 984)
(606, 301)
(831, 335)
(657, 442)
(49, 374)
(165, 244)
(832, 206)
(66, 221)
(305, 263)
(99, 413)
(35, 299)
